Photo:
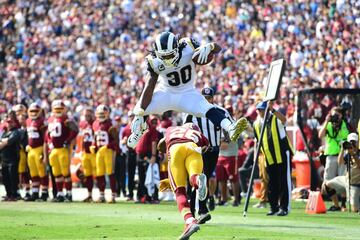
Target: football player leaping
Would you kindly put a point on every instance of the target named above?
(172, 64)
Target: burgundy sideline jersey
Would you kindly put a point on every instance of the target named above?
(59, 134)
(175, 135)
(102, 136)
(87, 135)
(35, 131)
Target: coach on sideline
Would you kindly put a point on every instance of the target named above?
(210, 157)
(9, 153)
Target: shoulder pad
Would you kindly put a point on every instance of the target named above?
(191, 42)
(154, 64)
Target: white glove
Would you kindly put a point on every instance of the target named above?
(138, 124)
(203, 53)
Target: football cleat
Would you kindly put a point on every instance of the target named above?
(59, 198)
(237, 128)
(68, 198)
(203, 218)
(134, 138)
(101, 199)
(189, 230)
(202, 188)
(88, 199)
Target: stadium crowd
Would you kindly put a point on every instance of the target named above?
(89, 53)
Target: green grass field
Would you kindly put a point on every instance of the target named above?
(123, 220)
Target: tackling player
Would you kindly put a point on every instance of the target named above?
(104, 146)
(61, 133)
(183, 146)
(36, 129)
(172, 64)
(88, 158)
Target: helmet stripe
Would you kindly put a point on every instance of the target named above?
(164, 39)
(157, 42)
(170, 42)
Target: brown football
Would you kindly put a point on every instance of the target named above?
(209, 59)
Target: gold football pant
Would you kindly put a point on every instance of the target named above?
(36, 166)
(105, 161)
(185, 160)
(60, 162)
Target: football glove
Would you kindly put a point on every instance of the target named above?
(203, 52)
(138, 124)
(92, 149)
(164, 185)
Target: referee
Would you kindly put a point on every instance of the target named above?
(210, 157)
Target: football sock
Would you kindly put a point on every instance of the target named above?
(112, 183)
(183, 205)
(68, 184)
(89, 182)
(35, 184)
(101, 183)
(44, 182)
(59, 184)
(193, 180)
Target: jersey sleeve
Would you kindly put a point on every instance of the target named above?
(150, 65)
(192, 42)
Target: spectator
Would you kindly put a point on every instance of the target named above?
(335, 131)
(146, 153)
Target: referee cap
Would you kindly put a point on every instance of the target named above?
(261, 106)
(207, 91)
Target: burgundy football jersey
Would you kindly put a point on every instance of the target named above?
(35, 131)
(102, 136)
(58, 132)
(87, 135)
(175, 135)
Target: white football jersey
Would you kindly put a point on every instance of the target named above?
(176, 78)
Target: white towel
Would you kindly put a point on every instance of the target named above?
(152, 178)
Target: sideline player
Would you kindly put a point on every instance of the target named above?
(172, 64)
(183, 146)
(104, 146)
(61, 133)
(36, 129)
(88, 158)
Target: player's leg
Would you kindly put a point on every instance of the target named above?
(87, 167)
(24, 176)
(35, 180)
(44, 178)
(64, 157)
(194, 167)
(178, 176)
(109, 159)
(203, 108)
(100, 175)
(56, 170)
(160, 102)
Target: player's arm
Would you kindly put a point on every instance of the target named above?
(113, 132)
(45, 148)
(150, 83)
(161, 146)
(204, 51)
(74, 130)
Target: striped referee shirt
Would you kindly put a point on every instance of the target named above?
(212, 133)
